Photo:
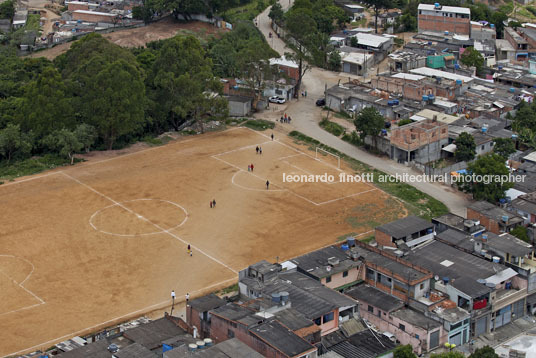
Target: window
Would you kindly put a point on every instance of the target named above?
(230, 333)
(328, 279)
(328, 317)
(370, 308)
(422, 286)
(482, 147)
(402, 327)
(345, 274)
(318, 321)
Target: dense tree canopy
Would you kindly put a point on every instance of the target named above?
(369, 122)
(471, 57)
(465, 147)
(490, 166)
(525, 123)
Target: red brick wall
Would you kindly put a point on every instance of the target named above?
(490, 225)
(383, 239)
(73, 7)
(441, 24)
(290, 71)
(92, 17)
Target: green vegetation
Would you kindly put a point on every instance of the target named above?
(472, 57)
(229, 289)
(525, 123)
(484, 352)
(259, 124)
(403, 122)
(404, 352)
(32, 166)
(418, 203)
(450, 354)
(369, 122)
(7, 9)
(465, 147)
(504, 147)
(487, 165)
(352, 138)
(155, 141)
(100, 95)
(332, 127)
(521, 233)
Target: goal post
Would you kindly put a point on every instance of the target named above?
(324, 152)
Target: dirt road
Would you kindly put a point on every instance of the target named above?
(305, 117)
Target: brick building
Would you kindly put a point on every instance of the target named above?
(437, 18)
(414, 87)
(493, 218)
(198, 315)
(77, 5)
(410, 231)
(288, 67)
(94, 16)
(419, 142)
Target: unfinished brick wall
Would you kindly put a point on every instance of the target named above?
(489, 224)
(454, 25)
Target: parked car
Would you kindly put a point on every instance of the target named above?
(277, 99)
(321, 102)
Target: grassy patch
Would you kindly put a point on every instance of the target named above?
(343, 115)
(359, 23)
(32, 166)
(418, 203)
(229, 289)
(367, 239)
(245, 12)
(332, 127)
(352, 138)
(155, 141)
(259, 124)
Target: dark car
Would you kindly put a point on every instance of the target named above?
(321, 102)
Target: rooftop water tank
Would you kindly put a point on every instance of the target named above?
(350, 241)
(457, 66)
(504, 218)
(192, 347)
(492, 26)
(446, 280)
(208, 342)
(502, 200)
(458, 82)
(395, 102)
(500, 67)
(425, 98)
(200, 344)
(285, 296)
(514, 136)
(276, 297)
(437, 5)
(484, 129)
(446, 33)
(345, 247)
(496, 259)
(431, 96)
(512, 90)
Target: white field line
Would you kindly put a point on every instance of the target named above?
(116, 319)
(241, 148)
(251, 189)
(29, 179)
(347, 196)
(290, 156)
(290, 191)
(21, 285)
(166, 231)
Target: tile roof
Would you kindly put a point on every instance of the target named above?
(207, 303)
(281, 338)
(404, 227)
(374, 297)
(151, 335)
(135, 350)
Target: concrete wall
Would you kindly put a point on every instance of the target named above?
(239, 109)
(73, 7)
(333, 102)
(337, 280)
(93, 17)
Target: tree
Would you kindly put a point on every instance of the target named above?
(86, 135)
(182, 82)
(488, 168)
(504, 147)
(465, 147)
(369, 122)
(405, 351)
(65, 142)
(521, 233)
(117, 97)
(525, 123)
(301, 30)
(7, 9)
(46, 104)
(450, 354)
(260, 6)
(498, 18)
(409, 22)
(472, 57)
(354, 42)
(378, 5)
(334, 61)
(276, 13)
(484, 352)
(13, 141)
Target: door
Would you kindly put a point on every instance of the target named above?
(481, 326)
(456, 339)
(434, 339)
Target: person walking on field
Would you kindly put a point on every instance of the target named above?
(272, 136)
(260, 150)
(213, 203)
(251, 167)
(267, 184)
(187, 297)
(189, 250)
(257, 150)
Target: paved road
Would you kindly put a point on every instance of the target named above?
(305, 117)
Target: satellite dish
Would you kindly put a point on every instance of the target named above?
(436, 277)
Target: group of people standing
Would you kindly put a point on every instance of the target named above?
(285, 119)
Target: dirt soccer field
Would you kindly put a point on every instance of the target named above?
(87, 246)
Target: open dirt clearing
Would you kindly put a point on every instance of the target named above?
(90, 245)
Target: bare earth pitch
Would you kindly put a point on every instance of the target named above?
(85, 247)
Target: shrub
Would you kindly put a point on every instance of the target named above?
(332, 127)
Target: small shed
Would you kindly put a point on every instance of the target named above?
(239, 106)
